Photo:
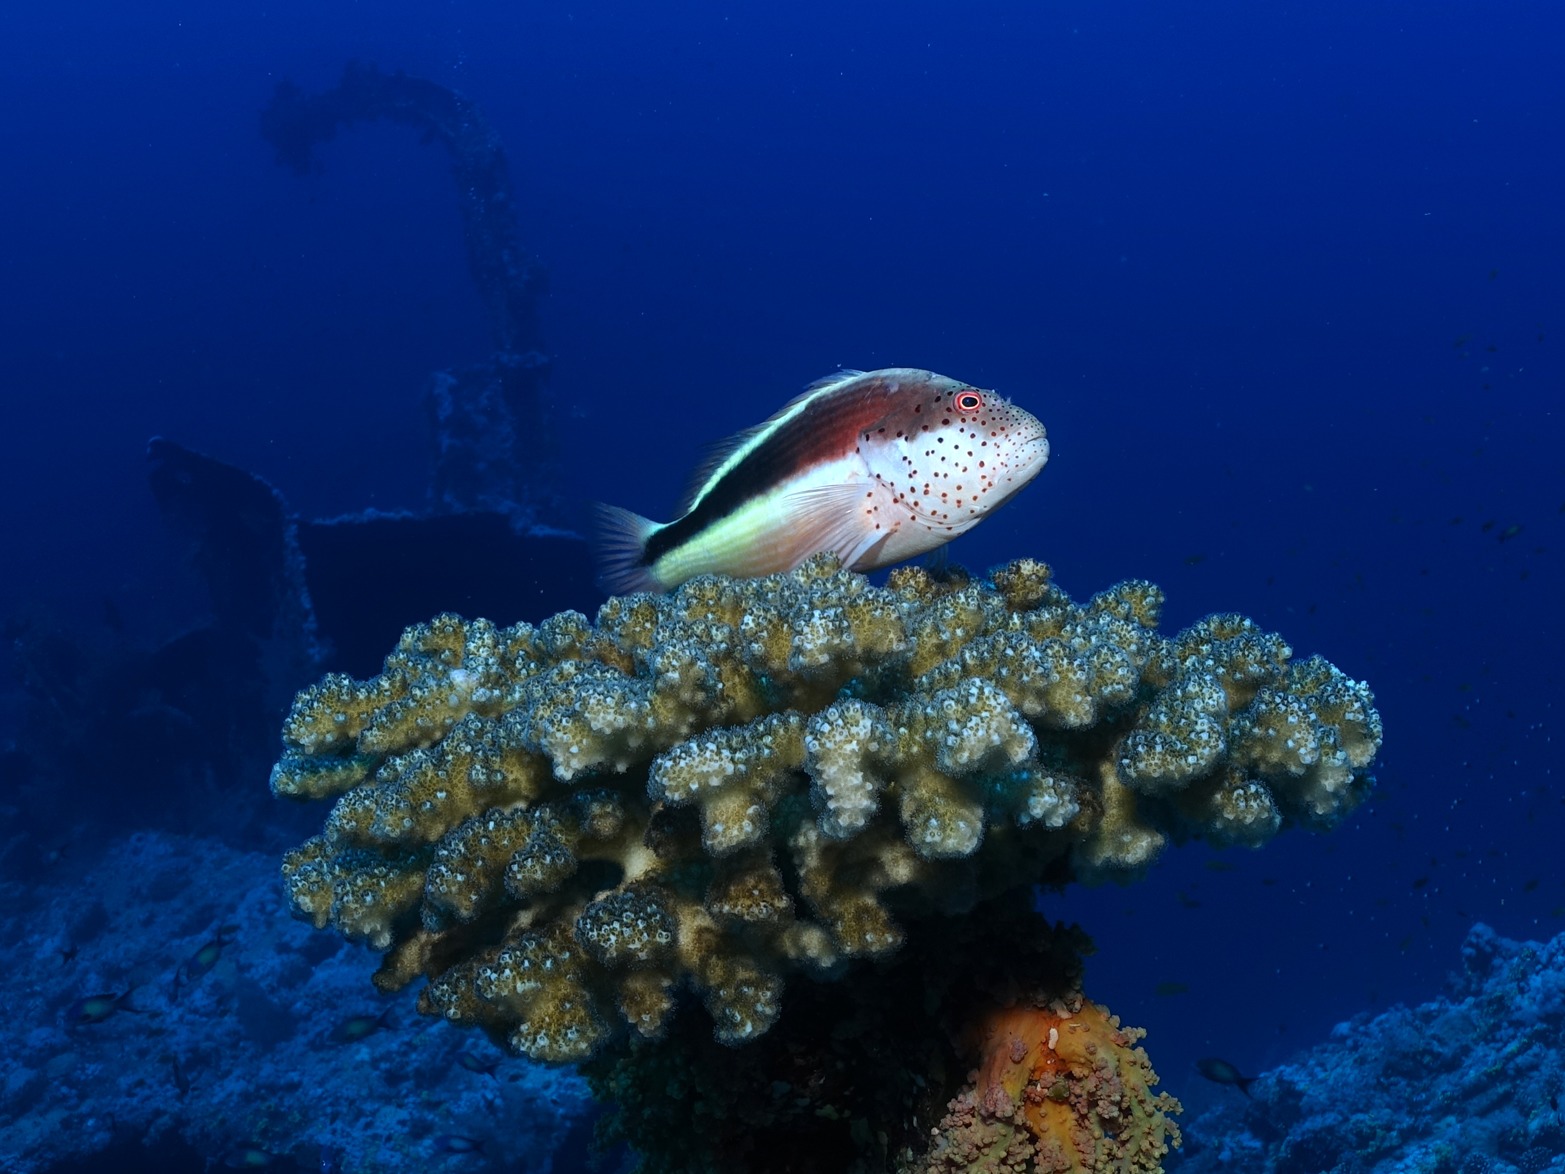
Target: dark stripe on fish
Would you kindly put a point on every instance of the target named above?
(825, 429)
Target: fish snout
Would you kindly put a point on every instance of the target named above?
(1032, 448)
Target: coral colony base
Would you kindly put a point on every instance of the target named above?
(817, 807)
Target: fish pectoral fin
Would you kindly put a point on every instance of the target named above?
(868, 558)
(832, 518)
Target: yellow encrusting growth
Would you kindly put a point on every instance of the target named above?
(1059, 1089)
(563, 827)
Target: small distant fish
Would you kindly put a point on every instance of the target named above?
(478, 1064)
(177, 1072)
(96, 1008)
(1194, 560)
(875, 467)
(1222, 1072)
(456, 1143)
(1172, 988)
(352, 1030)
(206, 957)
(203, 959)
(68, 953)
(1510, 532)
(248, 1157)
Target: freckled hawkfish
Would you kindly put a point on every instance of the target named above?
(875, 467)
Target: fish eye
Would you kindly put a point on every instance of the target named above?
(969, 401)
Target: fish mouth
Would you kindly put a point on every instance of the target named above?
(1038, 440)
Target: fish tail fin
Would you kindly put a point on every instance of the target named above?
(620, 547)
(1243, 1084)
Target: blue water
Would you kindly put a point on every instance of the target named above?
(1283, 282)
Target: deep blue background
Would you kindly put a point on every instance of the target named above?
(1283, 281)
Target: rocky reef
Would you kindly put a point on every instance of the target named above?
(165, 1013)
(1468, 1083)
(783, 790)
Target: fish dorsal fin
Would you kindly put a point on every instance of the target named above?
(715, 457)
(841, 376)
(719, 453)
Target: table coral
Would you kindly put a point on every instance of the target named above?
(563, 827)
